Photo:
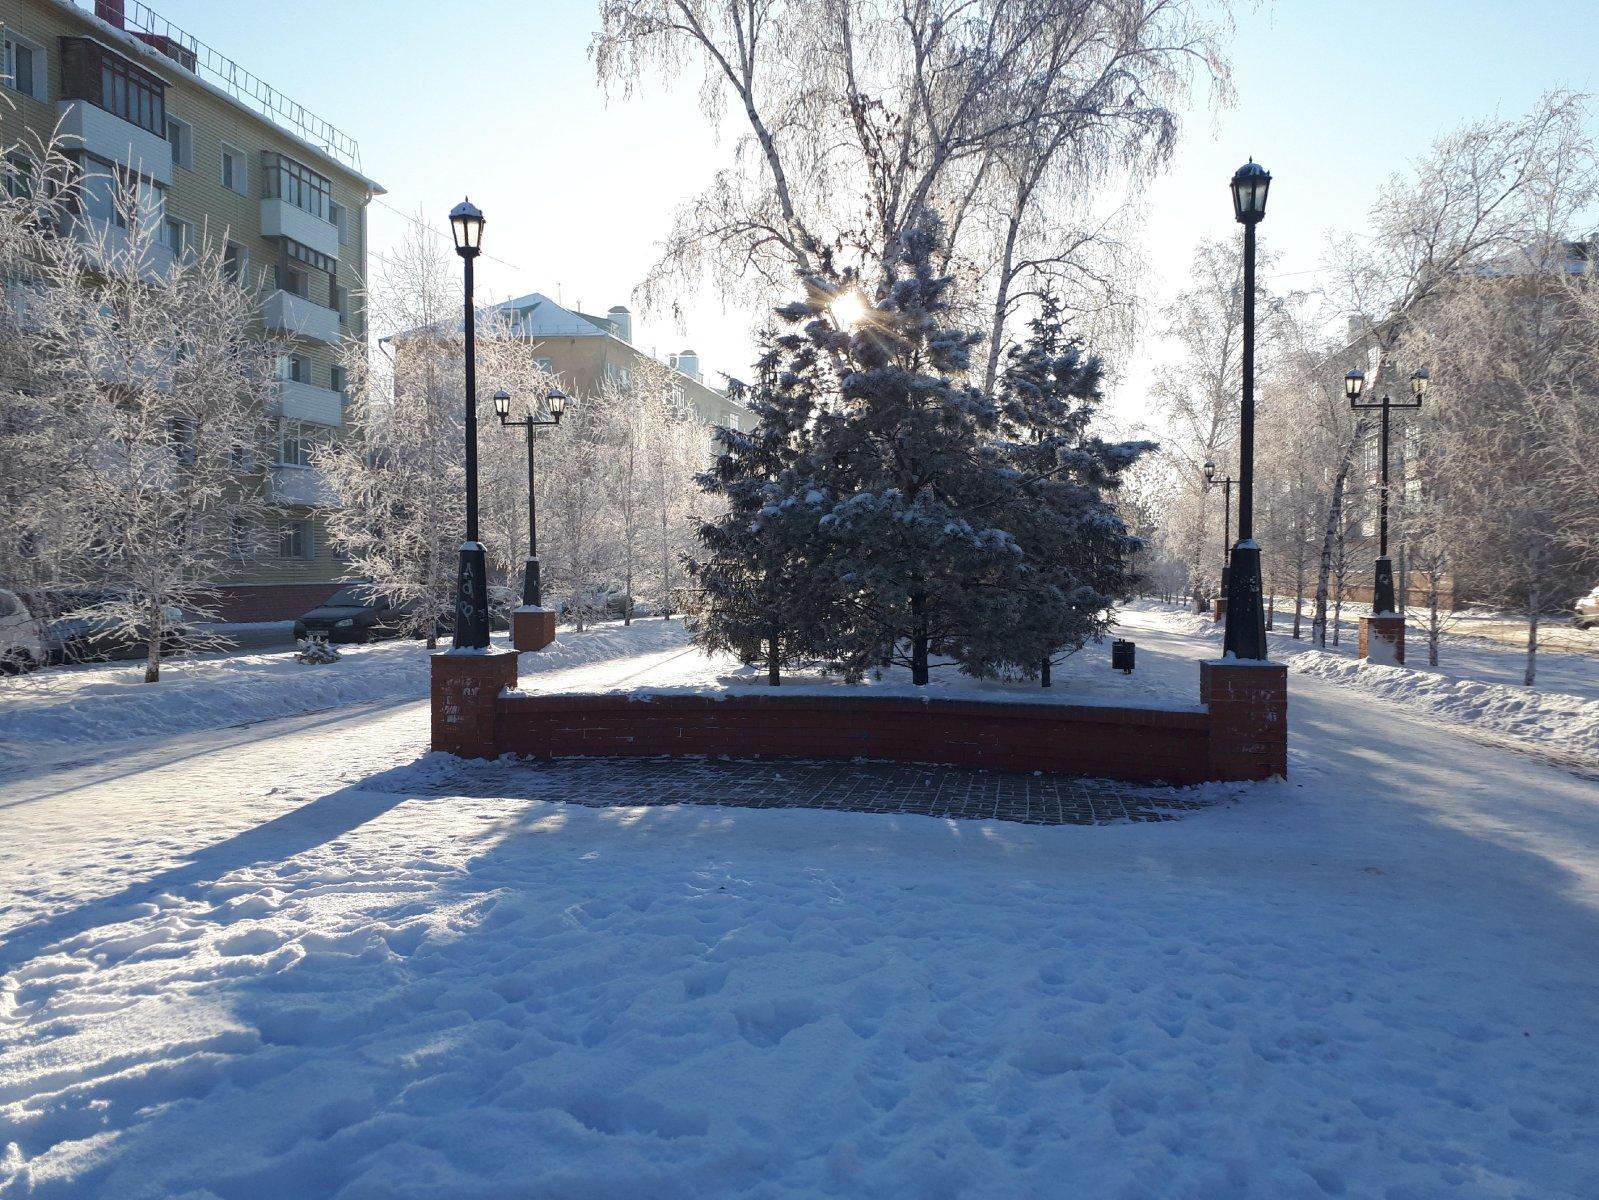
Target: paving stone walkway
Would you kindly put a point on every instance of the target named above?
(856, 786)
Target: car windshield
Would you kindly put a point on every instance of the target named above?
(353, 597)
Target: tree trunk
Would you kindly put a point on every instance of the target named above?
(1043, 674)
(1299, 591)
(152, 648)
(1434, 620)
(773, 675)
(919, 671)
(1534, 596)
(1335, 513)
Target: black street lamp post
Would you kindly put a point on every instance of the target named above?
(555, 401)
(1245, 636)
(1227, 482)
(471, 588)
(1382, 592)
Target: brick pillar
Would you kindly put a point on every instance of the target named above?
(1382, 639)
(1248, 706)
(1221, 608)
(465, 688)
(532, 628)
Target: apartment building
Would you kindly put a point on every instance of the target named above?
(583, 350)
(212, 152)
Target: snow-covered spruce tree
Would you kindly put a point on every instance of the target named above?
(160, 371)
(759, 569)
(1052, 499)
(915, 516)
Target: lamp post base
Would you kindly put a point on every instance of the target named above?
(532, 628)
(1382, 639)
(1245, 635)
(465, 688)
(1382, 592)
(532, 593)
(471, 599)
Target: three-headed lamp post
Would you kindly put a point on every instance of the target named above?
(471, 589)
(554, 406)
(1382, 592)
(1245, 636)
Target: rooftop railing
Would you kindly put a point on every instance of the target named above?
(216, 68)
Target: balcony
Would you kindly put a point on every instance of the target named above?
(287, 313)
(279, 218)
(303, 486)
(306, 402)
(110, 245)
(93, 129)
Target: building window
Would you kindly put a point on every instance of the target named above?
(234, 175)
(175, 234)
(293, 281)
(241, 458)
(235, 262)
(284, 179)
(341, 301)
(294, 445)
(129, 93)
(18, 177)
(181, 138)
(340, 216)
(22, 67)
(340, 381)
(294, 539)
(241, 537)
(292, 368)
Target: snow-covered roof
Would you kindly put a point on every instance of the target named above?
(536, 315)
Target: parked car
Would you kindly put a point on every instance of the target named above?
(362, 613)
(358, 613)
(1587, 611)
(82, 631)
(21, 646)
(607, 601)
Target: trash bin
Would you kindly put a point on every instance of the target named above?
(1121, 655)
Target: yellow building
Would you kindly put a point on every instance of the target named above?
(583, 351)
(216, 153)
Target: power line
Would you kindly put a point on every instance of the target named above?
(426, 228)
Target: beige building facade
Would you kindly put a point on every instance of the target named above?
(584, 350)
(218, 158)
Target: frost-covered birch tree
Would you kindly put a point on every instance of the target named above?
(159, 370)
(1012, 119)
(398, 477)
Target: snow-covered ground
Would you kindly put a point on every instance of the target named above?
(1477, 682)
(96, 703)
(287, 960)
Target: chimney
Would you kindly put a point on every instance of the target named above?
(622, 322)
(111, 12)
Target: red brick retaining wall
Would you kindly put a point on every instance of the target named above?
(1112, 743)
(1240, 733)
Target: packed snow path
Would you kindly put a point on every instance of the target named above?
(270, 962)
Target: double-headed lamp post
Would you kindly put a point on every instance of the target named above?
(1245, 636)
(471, 587)
(555, 404)
(1226, 482)
(1382, 592)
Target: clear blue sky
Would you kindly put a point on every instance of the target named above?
(498, 99)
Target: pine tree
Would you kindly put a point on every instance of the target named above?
(884, 510)
(759, 569)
